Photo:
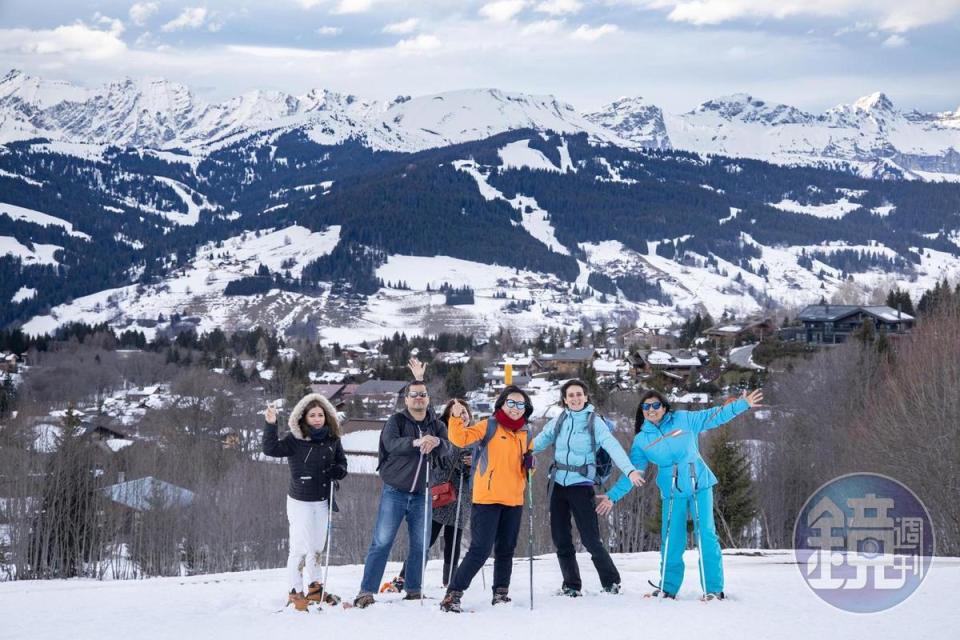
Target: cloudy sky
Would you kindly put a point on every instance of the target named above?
(676, 53)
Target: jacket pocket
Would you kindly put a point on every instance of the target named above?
(490, 480)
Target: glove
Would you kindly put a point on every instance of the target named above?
(529, 462)
(337, 472)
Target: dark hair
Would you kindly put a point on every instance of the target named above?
(403, 390)
(573, 383)
(445, 416)
(303, 416)
(502, 398)
(651, 393)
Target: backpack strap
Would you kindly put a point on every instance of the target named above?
(480, 448)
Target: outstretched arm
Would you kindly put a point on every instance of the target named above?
(548, 436)
(707, 419)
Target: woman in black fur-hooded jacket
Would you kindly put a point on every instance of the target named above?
(315, 455)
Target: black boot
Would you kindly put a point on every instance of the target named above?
(451, 602)
(500, 596)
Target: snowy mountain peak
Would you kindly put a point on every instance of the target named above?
(746, 108)
(634, 119)
(38, 92)
(874, 102)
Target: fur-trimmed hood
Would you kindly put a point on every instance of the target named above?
(331, 416)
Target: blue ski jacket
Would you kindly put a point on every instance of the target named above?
(676, 441)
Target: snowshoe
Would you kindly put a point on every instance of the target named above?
(394, 586)
(612, 588)
(714, 595)
(363, 600)
(298, 600)
(656, 593)
(500, 596)
(413, 595)
(313, 594)
(451, 602)
(570, 592)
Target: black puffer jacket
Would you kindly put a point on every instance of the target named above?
(402, 466)
(313, 465)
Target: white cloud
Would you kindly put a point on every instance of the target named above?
(422, 42)
(502, 10)
(329, 31)
(74, 42)
(407, 26)
(585, 32)
(190, 18)
(143, 11)
(541, 27)
(559, 7)
(114, 26)
(352, 6)
(890, 15)
(310, 4)
(895, 41)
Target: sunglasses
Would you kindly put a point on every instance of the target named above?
(647, 406)
(516, 404)
(417, 394)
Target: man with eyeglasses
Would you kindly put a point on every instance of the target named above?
(411, 440)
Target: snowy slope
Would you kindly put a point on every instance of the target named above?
(160, 114)
(768, 599)
(198, 288)
(870, 135)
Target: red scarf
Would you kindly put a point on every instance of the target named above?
(508, 422)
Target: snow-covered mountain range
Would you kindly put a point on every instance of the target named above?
(870, 136)
(333, 216)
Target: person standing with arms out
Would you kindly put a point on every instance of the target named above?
(500, 468)
(671, 439)
(315, 455)
(573, 477)
(410, 442)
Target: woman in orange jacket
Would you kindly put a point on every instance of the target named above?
(501, 460)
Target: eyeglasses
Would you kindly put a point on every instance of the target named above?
(647, 406)
(417, 394)
(516, 404)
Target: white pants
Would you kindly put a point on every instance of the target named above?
(308, 534)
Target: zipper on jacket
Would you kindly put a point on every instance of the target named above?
(309, 451)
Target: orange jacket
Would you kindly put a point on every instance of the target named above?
(504, 480)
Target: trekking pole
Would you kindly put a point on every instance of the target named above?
(530, 539)
(427, 519)
(696, 528)
(455, 551)
(666, 534)
(326, 560)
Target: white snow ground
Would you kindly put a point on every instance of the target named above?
(768, 599)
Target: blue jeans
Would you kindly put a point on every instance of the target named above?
(395, 505)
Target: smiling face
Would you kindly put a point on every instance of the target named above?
(316, 417)
(575, 398)
(653, 410)
(514, 406)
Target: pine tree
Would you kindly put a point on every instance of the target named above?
(734, 501)
(453, 383)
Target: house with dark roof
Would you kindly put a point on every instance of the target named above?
(567, 362)
(835, 323)
(380, 389)
(729, 334)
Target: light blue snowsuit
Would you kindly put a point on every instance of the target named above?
(675, 441)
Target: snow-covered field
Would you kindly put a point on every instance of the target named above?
(767, 599)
